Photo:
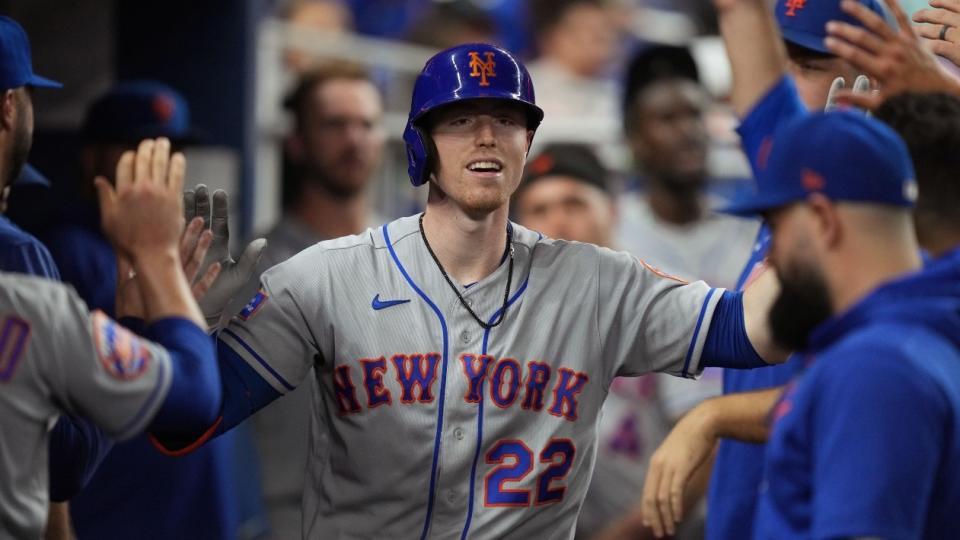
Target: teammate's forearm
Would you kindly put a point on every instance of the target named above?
(699, 483)
(755, 48)
(194, 399)
(164, 288)
(740, 416)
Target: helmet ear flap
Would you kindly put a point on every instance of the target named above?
(421, 153)
(431, 155)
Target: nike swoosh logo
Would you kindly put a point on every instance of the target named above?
(378, 304)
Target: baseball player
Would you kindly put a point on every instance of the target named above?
(768, 98)
(805, 71)
(57, 357)
(461, 360)
(866, 443)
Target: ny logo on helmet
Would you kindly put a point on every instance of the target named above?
(481, 68)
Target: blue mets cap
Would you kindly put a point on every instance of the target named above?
(843, 155)
(803, 22)
(16, 68)
(136, 110)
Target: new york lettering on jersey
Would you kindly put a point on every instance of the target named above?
(429, 425)
(417, 373)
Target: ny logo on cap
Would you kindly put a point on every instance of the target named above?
(794, 5)
(481, 68)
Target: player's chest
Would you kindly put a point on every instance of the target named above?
(412, 349)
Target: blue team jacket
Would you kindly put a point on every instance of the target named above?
(867, 441)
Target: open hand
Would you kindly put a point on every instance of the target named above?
(942, 34)
(142, 214)
(895, 58)
(234, 274)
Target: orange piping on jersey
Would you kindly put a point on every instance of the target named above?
(661, 273)
(207, 435)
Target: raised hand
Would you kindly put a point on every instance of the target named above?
(234, 274)
(942, 34)
(143, 217)
(194, 243)
(895, 58)
(142, 214)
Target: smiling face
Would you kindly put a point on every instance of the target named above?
(481, 149)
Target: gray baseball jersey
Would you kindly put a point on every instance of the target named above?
(55, 357)
(427, 425)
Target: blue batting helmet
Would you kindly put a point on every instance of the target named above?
(464, 72)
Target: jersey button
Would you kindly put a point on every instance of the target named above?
(465, 337)
(451, 496)
(458, 433)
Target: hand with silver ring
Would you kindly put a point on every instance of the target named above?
(895, 58)
(939, 33)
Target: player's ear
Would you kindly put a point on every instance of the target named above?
(827, 225)
(529, 140)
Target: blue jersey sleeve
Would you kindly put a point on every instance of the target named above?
(878, 426)
(193, 401)
(244, 392)
(727, 344)
(778, 106)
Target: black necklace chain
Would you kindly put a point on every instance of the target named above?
(506, 292)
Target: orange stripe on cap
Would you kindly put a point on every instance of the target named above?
(207, 435)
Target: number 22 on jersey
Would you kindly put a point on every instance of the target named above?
(514, 462)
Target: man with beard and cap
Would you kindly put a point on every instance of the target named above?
(330, 161)
(19, 251)
(801, 81)
(867, 442)
(761, 90)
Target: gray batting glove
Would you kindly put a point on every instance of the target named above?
(838, 84)
(233, 274)
(860, 86)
